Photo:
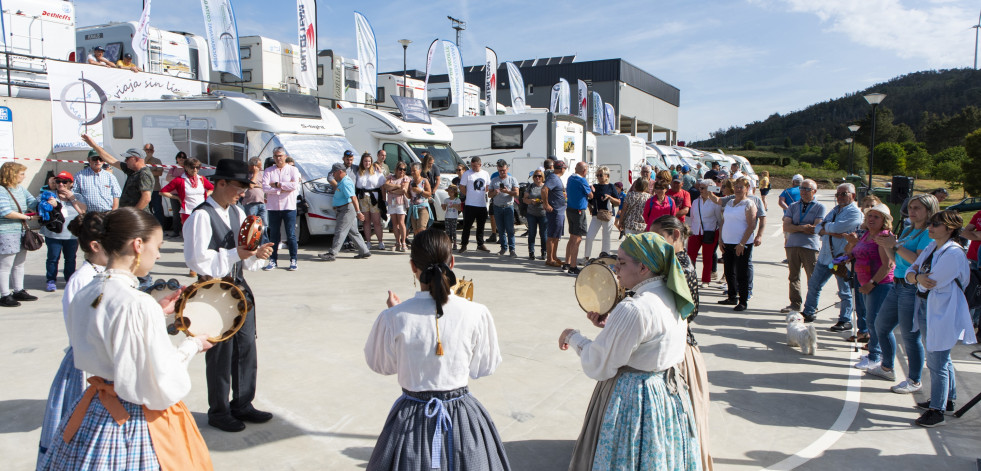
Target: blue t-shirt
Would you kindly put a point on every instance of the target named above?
(577, 189)
(344, 191)
(556, 192)
(912, 239)
(791, 195)
(799, 215)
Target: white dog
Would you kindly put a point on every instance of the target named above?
(800, 334)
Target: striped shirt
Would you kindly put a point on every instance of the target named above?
(96, 189)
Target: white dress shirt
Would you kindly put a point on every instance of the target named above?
(80, 279)
(948, 317)
(704, 216)
(197, 238)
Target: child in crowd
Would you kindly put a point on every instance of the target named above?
(452, 207)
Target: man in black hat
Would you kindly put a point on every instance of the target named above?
(211, 249)
(98, 57)
(127, 63)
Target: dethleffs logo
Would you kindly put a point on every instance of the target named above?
(60, 16)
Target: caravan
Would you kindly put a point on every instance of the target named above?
(35, 30)
(441, 100)
(267, 64)
(181, 55)
(210, 128)
(623, 154)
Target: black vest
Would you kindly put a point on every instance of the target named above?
(223, 237)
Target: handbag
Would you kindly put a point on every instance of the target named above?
(31, 240)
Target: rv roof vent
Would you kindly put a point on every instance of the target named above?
(294, 104)
(229, 94)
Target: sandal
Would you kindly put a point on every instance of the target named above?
(861, 338)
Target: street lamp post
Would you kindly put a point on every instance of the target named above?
(405, 48)
(851, 151)
(874, 99)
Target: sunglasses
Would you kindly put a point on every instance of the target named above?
(537, 176)
(937, 224)
(808, 189)
(63, 182)
(397, 169)
(95, 159)
(842, 193)
(198, 167)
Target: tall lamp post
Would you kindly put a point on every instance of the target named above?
(851, 151)
(405, 48)
(874, 99)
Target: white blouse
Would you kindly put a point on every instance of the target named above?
(80, 279)
(644, 332)
(368, 181)
(734, 218)
(124, 340)
(403, 341)
(704, 216)
(193, 195)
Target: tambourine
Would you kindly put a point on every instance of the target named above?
(597, 288)
(216, 308)
(463, 288)
(250, 234)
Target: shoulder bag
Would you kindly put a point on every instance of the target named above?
(31, 240)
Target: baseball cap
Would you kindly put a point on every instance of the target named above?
(797, 178)
(92, 153)
(133, 153)
(676, 179)
(127, 56)
(685, 168)
(338, 167)
(618, 185)
(560, 164)
(348, 153)
(65, 176)
(98, 49)
(502, 163)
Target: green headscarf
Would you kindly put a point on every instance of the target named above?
(651, 250)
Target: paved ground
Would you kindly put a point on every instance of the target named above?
(771, 407)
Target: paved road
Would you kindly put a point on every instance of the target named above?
(771, 407)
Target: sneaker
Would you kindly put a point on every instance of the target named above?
(841, 326)
(492, 239)
(50, 287)
(292, 265)
(863, 364)
(503, 251)
(877, 370)
(573, 271)
(362, 255)
(790, 308)
(930, 418)
(327, 257)
(565, 267)
(23, 295)
(740, 307)
(463, 249)
(271, 266)
(483, 248)
(381, 246)
(531, 256)
(9, 301)
(728, 302)
(808, 318)
(906, 387)
(925, 405)
(512, 254)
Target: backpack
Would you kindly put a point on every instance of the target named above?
(972, 292)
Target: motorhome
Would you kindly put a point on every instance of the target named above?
(338, 79)
(35, 30)
(441, 102)
(668, 153)
(390, 84)
(623, 154)
(227, 125)
(178, 54)
(267, 64)
(746, 168)
(523, 140)
(371, 130)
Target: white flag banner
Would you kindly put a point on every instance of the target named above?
(553, 104)
(610, 122)
(221, 32)
(565, 99)
(598, 111)
(583, 97)
(367, 55)
(79, 93)
(517, 85)
(306, 20)
(141, 39)
(454, 72)
(429, 66)
(490, 82)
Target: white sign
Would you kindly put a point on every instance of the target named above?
(6, 132)
(79, 93)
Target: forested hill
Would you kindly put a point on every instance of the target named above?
(938, 107)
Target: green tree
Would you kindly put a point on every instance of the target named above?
(971, 168)
(957, 154)
(918, 160)
(749, 145)
(950, 172)
(890, 158)
(787, 143)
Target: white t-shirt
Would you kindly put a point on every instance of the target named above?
(476, 185)
(193, 196)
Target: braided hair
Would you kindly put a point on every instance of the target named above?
(431, 254)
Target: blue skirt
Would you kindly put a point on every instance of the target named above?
(446, 430)
(66, 390)
(648, 425)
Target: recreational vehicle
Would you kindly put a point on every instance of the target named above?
(390, 84)
(35, 30)
(181, 55)
(371, 130)
(623, 154)
(441, 102)
(210, 128)
(523, 140)
(338, 80)
(267, 64)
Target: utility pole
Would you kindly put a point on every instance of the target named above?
(458, 25)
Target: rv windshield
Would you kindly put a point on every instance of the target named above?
(314, 155)
(446, 158)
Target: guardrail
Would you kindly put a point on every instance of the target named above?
(7, 68)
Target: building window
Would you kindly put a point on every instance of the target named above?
(245, 52)
(229, 78)
(320, 74)
(122, 128)
(380, 94)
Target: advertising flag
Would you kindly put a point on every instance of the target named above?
(367, 55)
(429, 66)
(611, 117)
(454, 72)
(141, 40)
(221, 32)
(517, 85)
(565, 100)
(598, 126)
(553, 105)
(490, 82)
(306, 20)
(583, 96)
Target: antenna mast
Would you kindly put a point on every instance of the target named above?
(458, 25)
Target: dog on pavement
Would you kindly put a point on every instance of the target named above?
(800, 334)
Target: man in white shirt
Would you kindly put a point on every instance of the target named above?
(473, 187)
(211, 249)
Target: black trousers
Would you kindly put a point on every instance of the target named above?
(230, 366)
(471, 214)
(737, 271)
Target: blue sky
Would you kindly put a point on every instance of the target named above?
(735, 61)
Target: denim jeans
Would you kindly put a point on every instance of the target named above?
(504, 215)
(156, 207)
(817, 281)
(259, 209)
(535, 224)
(897, 310)
(943, 386)
(873, 303)
(56, 247)
(288, 218)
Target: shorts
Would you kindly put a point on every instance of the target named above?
(366, 206)
(396, 208)
(577, 221)
(555, 224)
(764, 191)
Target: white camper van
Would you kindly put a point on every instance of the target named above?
(267, 64)
(371, 130)
(182, 55)
(441, 102)
(210, 128)
(338, 79)
(623, 154)
(35, 29)
(523, 140)
(390, 84)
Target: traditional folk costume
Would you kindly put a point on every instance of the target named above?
(436, 423)
(693, 370)
(640, 415)
(210, 241)
(69, 383)
(138, 420)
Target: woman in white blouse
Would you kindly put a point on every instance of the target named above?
(635, 360)
(738, 225)
(704, 219)
(133, 406)
(368, 183)
(435, 342)
(942, 315)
